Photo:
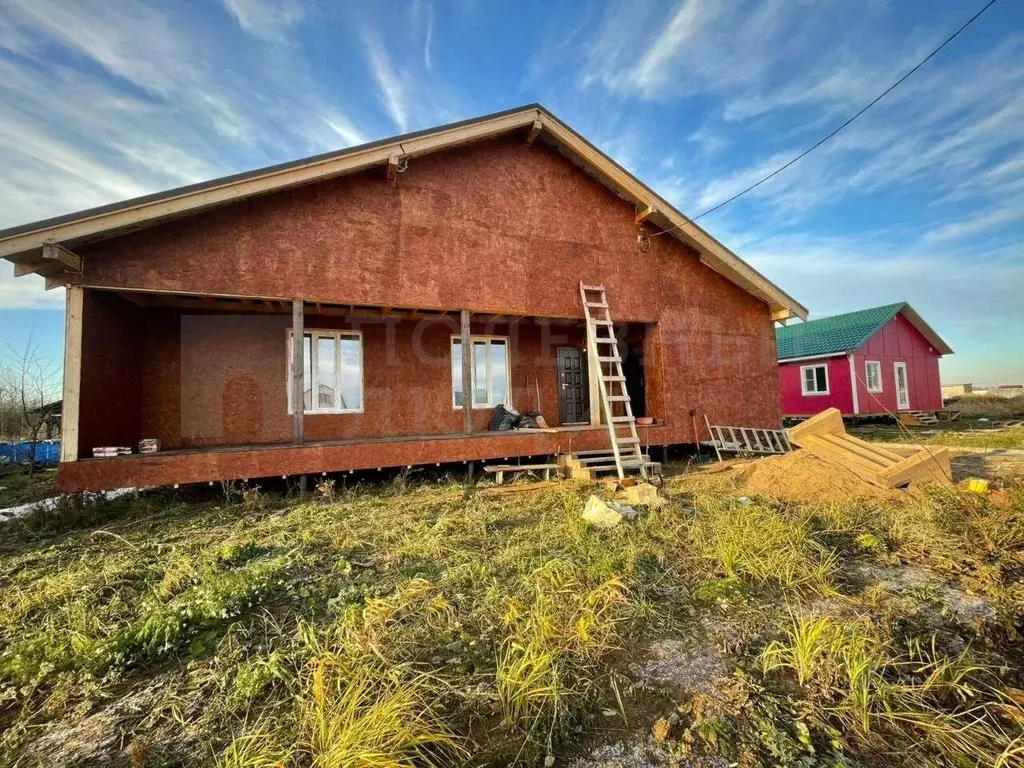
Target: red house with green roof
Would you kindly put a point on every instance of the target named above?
(872, 361)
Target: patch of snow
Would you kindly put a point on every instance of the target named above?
(46, 505)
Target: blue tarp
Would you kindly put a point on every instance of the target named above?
(47, 453)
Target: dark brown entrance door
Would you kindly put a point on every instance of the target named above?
(574, 387)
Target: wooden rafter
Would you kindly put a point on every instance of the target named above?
(642, 214)
(535, 130)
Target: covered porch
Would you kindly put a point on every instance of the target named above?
(211, 378)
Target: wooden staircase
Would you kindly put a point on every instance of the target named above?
(824, 436)
(601, 341)
(917, 418)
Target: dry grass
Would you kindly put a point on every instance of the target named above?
(413, 624)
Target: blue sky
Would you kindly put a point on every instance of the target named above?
(921, 200)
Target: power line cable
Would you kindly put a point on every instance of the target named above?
(810, 149)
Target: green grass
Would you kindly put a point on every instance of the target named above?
(415, 624)
(17, 488)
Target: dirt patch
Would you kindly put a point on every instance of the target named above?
(681, 665)
(801, 477)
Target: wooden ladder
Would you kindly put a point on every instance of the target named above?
(605, 348)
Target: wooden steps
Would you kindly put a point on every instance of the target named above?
(825, 437)
(917, 418)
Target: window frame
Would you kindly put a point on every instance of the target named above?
(472, 368)
(803, 380)
(878, 377)
(315, 334)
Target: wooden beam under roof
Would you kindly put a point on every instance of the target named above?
(535, 130)
(57, 253)
(392, 167)
(643, 213)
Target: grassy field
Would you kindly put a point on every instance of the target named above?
(954, 434)
(424, 624)
(17, 488)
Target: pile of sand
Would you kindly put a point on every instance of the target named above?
(802, 477)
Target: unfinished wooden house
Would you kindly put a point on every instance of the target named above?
(389, 260)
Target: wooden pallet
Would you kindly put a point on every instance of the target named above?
(824, 436)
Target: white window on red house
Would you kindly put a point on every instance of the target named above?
(814, 379)
(490, 371)
(873, 376)
(332, 368)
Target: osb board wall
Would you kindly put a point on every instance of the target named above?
(221, 379)
(493, 227)
(111, 372)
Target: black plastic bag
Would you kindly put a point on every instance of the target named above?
(503, 418)
(528, 421)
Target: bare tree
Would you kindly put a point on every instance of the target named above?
(32, 382)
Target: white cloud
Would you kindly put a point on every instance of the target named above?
(270, 20)
(394, 89)
(26, 292)
(983, 221)
(345, 129)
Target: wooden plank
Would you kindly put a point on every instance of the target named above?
(298, 399)
(535, 130)
(392, 172)
(643, 213)
(71, 407)
(467, 373)
(819, 448)
(881, 450)
(828, 422)
(930, 465)
(857, 450)
(54, 252)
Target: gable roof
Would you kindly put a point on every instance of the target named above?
(24, 244)
(844, 333)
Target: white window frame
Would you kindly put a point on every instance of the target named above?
(803, 380)
(472, 369)
(877, 390)
(337, 335)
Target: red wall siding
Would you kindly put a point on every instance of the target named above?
(794, 403)
(899, 342)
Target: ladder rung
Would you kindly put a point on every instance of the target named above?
(615, 359)
(606, 340)
(623, 419)
(592, 287)
(625, 440)
(600, 304)
(597, 321)
(612, 378)
(617, 398)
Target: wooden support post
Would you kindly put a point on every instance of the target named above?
(467, 375)
(72, 373)
(298, 366)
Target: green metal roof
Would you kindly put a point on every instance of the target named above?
(833, 335)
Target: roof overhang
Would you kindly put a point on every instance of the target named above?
(926, 330)
(47, 247)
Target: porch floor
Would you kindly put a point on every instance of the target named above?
(241, 462)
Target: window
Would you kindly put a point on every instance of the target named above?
(490, 368)
(873, 375)
(814, 379)
(333, 369)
